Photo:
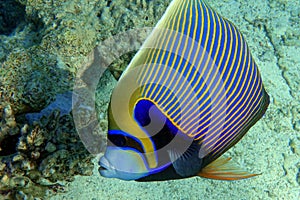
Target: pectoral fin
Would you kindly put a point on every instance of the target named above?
(222, 169)
(186, 164)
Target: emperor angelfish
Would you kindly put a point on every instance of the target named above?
(189, 94)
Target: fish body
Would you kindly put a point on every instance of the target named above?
(189, 94)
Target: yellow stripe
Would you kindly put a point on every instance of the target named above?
(204, 47)
(224, 69)
(220, 61)
(248, 94)
(207, 62)
(168, 19)
(231, 94)
(201, 112)
(157, 51)
(169, 56)
(195, 57)
(232, 114)
(201, 59)
(206, 90)
(217, 104)
(248, 107)
(231, 67)
(214, 77)
(164, 52)
(246, 116)
(183, 51)
(177, 92)
(190, 52)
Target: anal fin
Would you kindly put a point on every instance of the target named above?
(222, 169)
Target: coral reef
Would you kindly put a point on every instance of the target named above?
(9, 132)
(63, 102)
(33, 158)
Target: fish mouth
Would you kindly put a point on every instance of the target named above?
(101, 168)
(104, 164)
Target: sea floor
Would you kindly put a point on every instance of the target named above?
(271, 147)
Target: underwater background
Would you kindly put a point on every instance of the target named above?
(45, 44)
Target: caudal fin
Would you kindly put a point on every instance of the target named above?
(222, 169)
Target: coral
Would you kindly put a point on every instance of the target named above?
(9, 132)
(43, 154)
(63, 102)
(29, 82)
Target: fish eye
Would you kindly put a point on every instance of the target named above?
(118, 140)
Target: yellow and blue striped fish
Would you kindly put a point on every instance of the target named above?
(190, 93)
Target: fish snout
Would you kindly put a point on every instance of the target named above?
(104, 165)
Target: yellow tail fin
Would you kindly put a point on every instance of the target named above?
(222, 169)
